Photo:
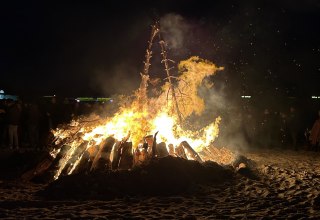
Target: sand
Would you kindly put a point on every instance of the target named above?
(285, 184)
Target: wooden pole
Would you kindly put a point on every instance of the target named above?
(167, 69)
(142, 95)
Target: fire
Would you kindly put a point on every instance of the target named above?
(171, 132)
(134, 121)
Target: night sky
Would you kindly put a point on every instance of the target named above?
(76, 49)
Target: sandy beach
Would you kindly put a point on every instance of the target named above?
(287, 186)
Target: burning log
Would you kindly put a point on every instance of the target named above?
(191, 151)
(49, 163)
(149, 150)
(74, 160)
(162, 149)
(171, 150)
(92, 154)
(84, 163)
(116, 155)
(102, 159)
(125, 156)
(148, 144)
(140, 155)
(117, 152)
(179, 151)
(154, 145)
(43, 165)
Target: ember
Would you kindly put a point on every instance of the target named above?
(146, 128)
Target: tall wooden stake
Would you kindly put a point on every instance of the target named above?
(142, 96)
(167, 68)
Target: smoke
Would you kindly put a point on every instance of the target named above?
(235, 124)
(123, 78)
(175, 29)
(178, 32)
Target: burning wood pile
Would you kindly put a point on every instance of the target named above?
(145, 129)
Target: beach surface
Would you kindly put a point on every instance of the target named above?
(283, 184)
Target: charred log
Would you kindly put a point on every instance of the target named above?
(75, 156)
(125, 156)
(162, 150)
(154, 145)
(86, 160)
(179, 151)
(116, 155)
(171, 150)
(84, 164)
(49, 163)
(102, 159)
(140, 156)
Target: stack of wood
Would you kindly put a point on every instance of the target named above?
(110, 154)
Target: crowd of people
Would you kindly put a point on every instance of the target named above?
(291, 128)
(26, 124)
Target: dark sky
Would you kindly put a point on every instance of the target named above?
(97, 49)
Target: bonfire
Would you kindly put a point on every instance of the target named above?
(143, 128)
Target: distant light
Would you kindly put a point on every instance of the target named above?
(1, 91)
(103, 99)
(86, 99)
(92, 99)
(315, 97)
(246, 96)
(111, 100)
